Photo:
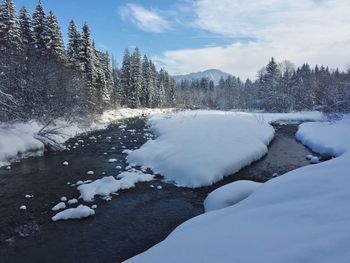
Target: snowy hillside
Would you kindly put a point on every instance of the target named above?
(213, 74)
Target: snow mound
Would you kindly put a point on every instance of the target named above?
(18, 139)
(108, 185)
(230, 194)
(198, 148)
(59, 206)
(72, 201)
(81, 211)
(302, 216)
(323, 137)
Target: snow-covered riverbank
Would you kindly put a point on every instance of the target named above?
(198, 148)
(18, 140)
(302, 216)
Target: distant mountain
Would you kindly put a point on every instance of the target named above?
(213, 74)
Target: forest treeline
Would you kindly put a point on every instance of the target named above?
(41, 77)
(279, 87)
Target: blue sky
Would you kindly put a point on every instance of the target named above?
(233, 35)
(114, 32)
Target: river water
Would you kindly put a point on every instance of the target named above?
(128, 224)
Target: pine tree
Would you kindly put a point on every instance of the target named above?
(87, 55)
(172, 91)
(74, 46)
(26, 32)
(10, 61)
(55, 45)
(10, 38)
(105, 80)
(125, 78)
(269, 85)
(89, 62)
(39, 26)
(153, 89)
(136, 80)
(145, 92)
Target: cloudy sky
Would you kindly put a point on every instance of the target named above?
(236, 36)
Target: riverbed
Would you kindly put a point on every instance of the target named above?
(132, 221)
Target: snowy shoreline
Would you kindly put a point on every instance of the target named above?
(303, 213)
(199, 148)
(18, 140)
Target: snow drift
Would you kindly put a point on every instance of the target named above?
(18, 140)
(198, 148)
(107, 185)
(230, 194)
(302, 216)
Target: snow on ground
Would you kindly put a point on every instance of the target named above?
(108, 185)
(323, 137)
(230, 194)
(59, 206)
(81, 211)
(123, 113)
(302, 216)
(17, 140)
(197, 148)
(72, 201)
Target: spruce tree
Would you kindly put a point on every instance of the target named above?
(136, 80)
(55, 45)
(125, 78)
(87, 55)
(10, 61)
(153, 94)
(74, 46)
(39, 26)
(26, 32)
(146, 79)
(10, 37)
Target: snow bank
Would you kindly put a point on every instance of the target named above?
(107, 185)
(302, 216)
(197, 148)
(123, 113)
(323, 137)
(81, 211)
(230, 194)
(18, 139)
(59, 206)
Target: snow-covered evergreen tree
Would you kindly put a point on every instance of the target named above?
(39, 27)
(10, 37)
(74, 46)
(125, 78)
(26, 32)
(10, 61)
(136, 80)
(87, 55)
(146, 88)
(55, 46)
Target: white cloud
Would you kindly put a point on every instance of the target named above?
(314, 31)
(148, 20)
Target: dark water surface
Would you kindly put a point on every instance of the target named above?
(127, 225)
